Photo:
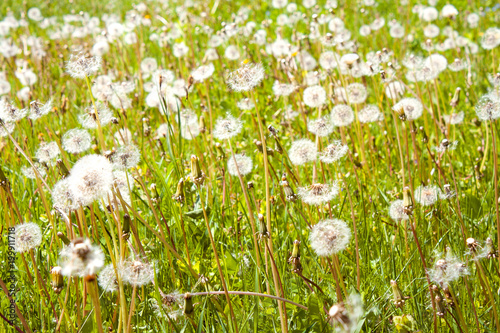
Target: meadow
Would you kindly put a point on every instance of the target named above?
(249, 166)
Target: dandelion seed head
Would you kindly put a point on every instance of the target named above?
(81, 258)
(107, 279)
(302, 151)
(27, 236)
(283, 89)
(203, 72)
(333, 152)
(318, 194)
(447, 270)
(91, 178)
(246, 104)
(63, 196)
(342, 115)
(137, 273)
(329, 237)
(10, 113)
(314, 96)
(488, 108)
(246, 77)
(243, 163)
(76, 141)
(321, 126)
(427, 195)
(29, 172)
(126, 157)
(356, 93)
(37, 109)
(88, 118)
(80, 66)
(411, 107)
(397, 211)
(47, 152)
(370, 113)
(226, 128)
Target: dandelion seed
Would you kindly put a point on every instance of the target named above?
(226, 128)
(487, 108)
(314, 96)
(81, 258)
(10, 113)
(80, 66)
(342, 115)
(454, 118)
(333, 152)
(321, 127)
(283, 89)
(243, 162)
(91, 178)
(397, 211)
(427, 195)
(246, 77)
(370, 113)
(411, 107)
(329, 237)
(329, 60)
(27, 236)
(137, 273)
(88, 118)
(302, 151)
(126, 157)
(246, 104)
(29, 172)
(318, 194)
(203, 72)
(107, 279)
(47, 152)
(76, 141)
(38, 109)
(447, 270)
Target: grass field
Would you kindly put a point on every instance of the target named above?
(266, 166)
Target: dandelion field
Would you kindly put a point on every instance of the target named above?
(267, 166)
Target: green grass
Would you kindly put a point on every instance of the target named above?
(386, 250)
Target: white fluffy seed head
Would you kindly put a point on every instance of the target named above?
(314, 96)
(10, 113)
(356, 93)
(447, 270)
(47, 152)
(427, 195)
(397, 212)
(107, 279)
(246, 77)
(411, 107)
(488, 108)
(81, 258)
(329, 237)
(333, 152)
(63, 196)
(189, 125)
(137, 273)
(27, 236)
(226, 128)
(302, 151)
(76, 141)
(126, 157)
(29, 172)
(342, 115)
(321, 127)
(243, 164)
(38, 109)
(88, 118)
(80, 66)
(370, 113)
(318, 194)
(203, 72)
(90, 178)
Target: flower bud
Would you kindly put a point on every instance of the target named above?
(57, 280)
(188, 304)
(197, 176)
